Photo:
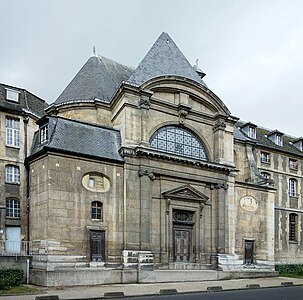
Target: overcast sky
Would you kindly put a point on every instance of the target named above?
(251, 51)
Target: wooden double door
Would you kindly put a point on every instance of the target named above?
(182, 239)
(97, 245)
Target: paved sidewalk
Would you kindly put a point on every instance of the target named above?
(89, 292)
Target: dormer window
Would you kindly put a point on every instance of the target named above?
(279, 140)
(12, 95)
(43, 133)
(250, 129)
(276, 137)
(298, 143)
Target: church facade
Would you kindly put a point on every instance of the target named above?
(143, 174)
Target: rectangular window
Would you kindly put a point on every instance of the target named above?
(265, 157)
(13, 208)
(97, 210)
(12, 174)
(12, 132)
(293, 227)
(252, 132)
(292, 187)
(91, 182)
(43, 134)
(293, 164)
(12, 95)
(279, 140)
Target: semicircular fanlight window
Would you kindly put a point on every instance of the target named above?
(178, 140)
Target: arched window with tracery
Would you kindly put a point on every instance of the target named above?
(180, 141)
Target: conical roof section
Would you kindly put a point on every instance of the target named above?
(164, 58)
(97, 79)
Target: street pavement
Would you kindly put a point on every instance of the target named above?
(94, 292)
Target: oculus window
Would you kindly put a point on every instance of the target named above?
(96, 182)
(180, 141)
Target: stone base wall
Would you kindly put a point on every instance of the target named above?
(90, 276)
(232, 263)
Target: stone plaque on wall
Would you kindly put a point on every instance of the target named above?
(249, 203)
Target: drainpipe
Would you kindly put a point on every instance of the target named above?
(26, 193)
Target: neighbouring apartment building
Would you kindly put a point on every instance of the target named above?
(19, 111)
(143, 174)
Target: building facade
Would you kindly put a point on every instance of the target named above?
(143, 174)
(19, 111)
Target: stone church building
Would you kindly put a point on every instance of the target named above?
(144, 175)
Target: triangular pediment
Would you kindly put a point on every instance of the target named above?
(186, 193)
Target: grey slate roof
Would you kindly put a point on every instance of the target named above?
(28, 102)
(263, 140)
(164, 58)
(80, 139)
(97, 79)
(239, 135)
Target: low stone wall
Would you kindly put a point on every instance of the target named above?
(70, 277)
(15, 262)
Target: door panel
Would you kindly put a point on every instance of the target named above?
(13, 240)
(97, 245)
(249, 252)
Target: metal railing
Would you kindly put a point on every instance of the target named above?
(15, 248)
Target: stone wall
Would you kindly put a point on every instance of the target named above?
(61, 206)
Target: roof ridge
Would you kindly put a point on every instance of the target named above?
(98, 78)
(85, 123)
(267, 129)
(164, 58)
(112, 60)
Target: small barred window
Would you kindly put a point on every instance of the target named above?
(293, 227)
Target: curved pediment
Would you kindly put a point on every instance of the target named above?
(185, 193)
(177, 91)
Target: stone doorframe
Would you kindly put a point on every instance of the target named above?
(188, 199)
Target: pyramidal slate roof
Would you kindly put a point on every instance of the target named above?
(78, 138)
(164, 58)
(98, 79)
